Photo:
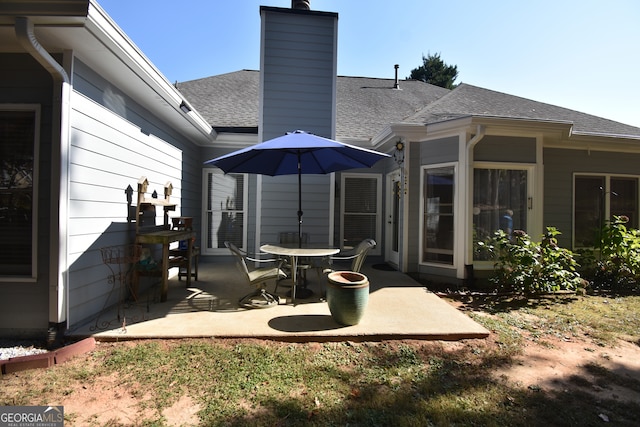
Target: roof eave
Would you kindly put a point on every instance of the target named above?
(64, 9)
(513, 123)
(613, 136)
(105, 30)
(386, 139)
(84, 28)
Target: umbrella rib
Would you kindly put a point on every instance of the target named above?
(312, 154)
(345, 153)
(348, 154)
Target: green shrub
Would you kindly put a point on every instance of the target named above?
(527, 267)
(615, 267)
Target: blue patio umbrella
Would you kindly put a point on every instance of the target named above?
(298, 153)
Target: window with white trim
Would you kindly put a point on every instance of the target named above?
(438, 185)
(597, 199)
(225, 210)
(361, 201)
(18, 159)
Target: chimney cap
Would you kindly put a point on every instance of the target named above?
(301, 4)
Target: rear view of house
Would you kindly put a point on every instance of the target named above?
(466, 162)
(84, 115)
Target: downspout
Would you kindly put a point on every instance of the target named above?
(58, 274)
(468, 229)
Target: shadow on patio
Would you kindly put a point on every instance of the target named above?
(398, 308)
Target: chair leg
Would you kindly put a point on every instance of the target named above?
(259, 298)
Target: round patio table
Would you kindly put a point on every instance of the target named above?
(294, 252)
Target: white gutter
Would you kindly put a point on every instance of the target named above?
(480, 132)
(468, 223)
(58, 272)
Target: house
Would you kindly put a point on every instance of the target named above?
(464, 161)
(84, 115)
(468, 156)
(88, 115)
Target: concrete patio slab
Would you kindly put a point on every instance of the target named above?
(398, 308)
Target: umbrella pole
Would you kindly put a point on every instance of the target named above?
(299, 201)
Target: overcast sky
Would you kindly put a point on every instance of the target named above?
(578, 54)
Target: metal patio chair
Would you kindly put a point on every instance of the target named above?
(357, 256)
(258, 277)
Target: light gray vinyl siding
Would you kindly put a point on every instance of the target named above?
(298, 64)
(24, 305)
(559, 168)
(110, 150)
(505, 149)
(438, 151)
(299, 72)
(444, 150)
(280, 207)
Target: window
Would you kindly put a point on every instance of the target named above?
(438, 215)
(361, 208)
(598, 198)
(18, 130)
(500, 202)
(226, 201)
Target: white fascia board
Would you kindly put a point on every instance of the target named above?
(597, 142)
(504, 126)
(608, 136)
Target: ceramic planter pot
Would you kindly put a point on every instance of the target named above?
(347, 296)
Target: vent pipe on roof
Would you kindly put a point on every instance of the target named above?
(396, 85)
(301, 4)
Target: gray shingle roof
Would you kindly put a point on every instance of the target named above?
(365, 105)
(468, 100)
(226, 100)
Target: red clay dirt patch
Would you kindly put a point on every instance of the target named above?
(561, 365)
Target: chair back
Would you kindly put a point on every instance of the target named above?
(362, 250)
(239, 257)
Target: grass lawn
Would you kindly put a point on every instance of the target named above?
(566, 360)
